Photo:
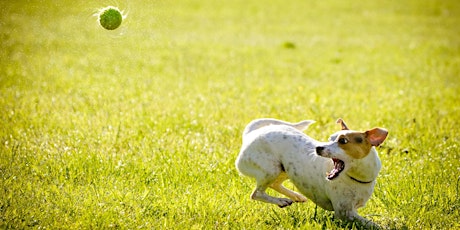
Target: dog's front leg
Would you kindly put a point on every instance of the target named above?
(352, 215)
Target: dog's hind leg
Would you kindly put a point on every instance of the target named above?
(259, 193)
(265, 169)
(278, 186)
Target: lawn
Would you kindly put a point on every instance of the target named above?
(140, 127)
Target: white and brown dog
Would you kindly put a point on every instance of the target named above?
(338, 175)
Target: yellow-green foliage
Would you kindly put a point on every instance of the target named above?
(139, 127)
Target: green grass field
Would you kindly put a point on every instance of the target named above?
(140, 127)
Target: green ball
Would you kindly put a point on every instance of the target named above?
(110, 18)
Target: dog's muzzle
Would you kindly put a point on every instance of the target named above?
(339, 165)
(319, 149)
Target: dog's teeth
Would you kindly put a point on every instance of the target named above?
(338, 167)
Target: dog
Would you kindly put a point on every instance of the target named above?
(338, 175)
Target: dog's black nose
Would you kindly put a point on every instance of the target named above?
(319, 149)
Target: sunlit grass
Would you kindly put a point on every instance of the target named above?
(139, 127)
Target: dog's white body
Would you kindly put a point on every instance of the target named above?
(274, 151)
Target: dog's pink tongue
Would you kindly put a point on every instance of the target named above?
(333, 174)
(338, 167)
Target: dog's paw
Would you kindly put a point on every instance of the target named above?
(283, 202)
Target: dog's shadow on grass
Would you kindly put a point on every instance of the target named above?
(296, 218)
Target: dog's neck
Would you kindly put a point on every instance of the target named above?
(365, 170)
(361, 182)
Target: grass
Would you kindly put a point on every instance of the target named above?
(139, 127)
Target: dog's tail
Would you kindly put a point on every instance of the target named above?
(259, 123)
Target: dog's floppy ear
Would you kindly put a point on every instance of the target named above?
(376, 136)
(342, 123)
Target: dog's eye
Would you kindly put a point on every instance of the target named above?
(343, 140)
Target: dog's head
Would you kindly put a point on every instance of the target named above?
(346, 145)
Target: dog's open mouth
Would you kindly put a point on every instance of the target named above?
(338, 168)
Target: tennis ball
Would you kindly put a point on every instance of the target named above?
(110, 17)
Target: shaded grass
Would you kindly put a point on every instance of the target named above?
(140, 128)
